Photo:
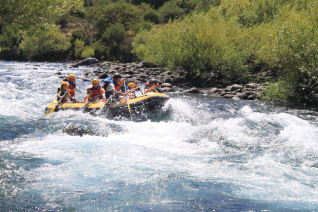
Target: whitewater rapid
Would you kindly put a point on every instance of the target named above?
(206, 153)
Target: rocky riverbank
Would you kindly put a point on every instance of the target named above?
(175, 81)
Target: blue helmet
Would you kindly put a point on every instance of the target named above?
(108, 79)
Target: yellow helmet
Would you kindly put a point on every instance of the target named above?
(94, 81)
(71, 76)
(131, 85)
(64, 83)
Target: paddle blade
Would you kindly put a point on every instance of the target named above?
(50, 111)
(128, 107)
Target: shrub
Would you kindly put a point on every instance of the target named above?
(151, 16)
(79, 48)
(170, 10)
(143, 26)
(88, 52)
(123, 13)
(46, 43)
(114, 34)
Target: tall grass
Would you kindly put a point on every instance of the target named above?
(232, 37)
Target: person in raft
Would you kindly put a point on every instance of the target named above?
(93, 91)
(131, 88)
(152, 84)
(61, 93)
(112, 87)
(71, 88)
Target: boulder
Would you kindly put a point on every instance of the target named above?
(164, 85)
(236, 87)
(192, 90)
(228, 96)
(143, 64)
(103, 75)
(253, 85)
(215, 90)
(86, 62)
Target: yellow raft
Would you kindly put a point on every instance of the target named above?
(144, 103)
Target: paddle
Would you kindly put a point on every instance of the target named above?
(127, 98)
(82, 108)
(52, 109)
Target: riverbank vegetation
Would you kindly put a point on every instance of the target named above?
(224, 38)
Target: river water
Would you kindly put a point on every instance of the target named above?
(205, 154)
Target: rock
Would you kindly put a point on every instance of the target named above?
(236, 87)
(192, 90)
(215, 90)
(228, 96)
(103, 75)
(165, 85)
(252, 85)
(87, 61)
(85, 79)
(97, 71)
(228, 88)
(242, 95)
(167, 89)
(58, 73)
(143, 64)
(167, 80)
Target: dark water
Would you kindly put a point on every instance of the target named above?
(202, 153)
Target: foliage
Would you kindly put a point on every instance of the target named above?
(151, 16)
(88, 52)
(123, 13)
(198, 44)
(9, 42)
(170, 10)
(143, 26)
(276, 91)
(45, 43)
(79, 48)
(115, 34)
(291, 43)
(28, 13)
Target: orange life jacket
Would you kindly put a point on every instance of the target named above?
(71, 85)
(96, 91)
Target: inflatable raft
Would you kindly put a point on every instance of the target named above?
(138, 105)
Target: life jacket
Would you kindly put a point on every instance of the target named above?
(62, 94)
(109, 93)
(96, 91)
(71, 85)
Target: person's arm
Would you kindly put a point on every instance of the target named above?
(59, 95)
(151, 88)
(122, 82)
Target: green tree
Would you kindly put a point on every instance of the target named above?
(28, 12)
(152, 16)
(123, 13)
(115, 34)
(79, 48)
(46, 43)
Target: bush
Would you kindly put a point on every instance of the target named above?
(46, 43)
(79, 48)
(170, 10)
(112, 14)
(143, 26)
(88, 52)
(151, 16)
(115, 34)
(199, 44)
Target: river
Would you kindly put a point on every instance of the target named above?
(205, 154)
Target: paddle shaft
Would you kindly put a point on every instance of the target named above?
(91, 101)
(51, 110)
(127, 98)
